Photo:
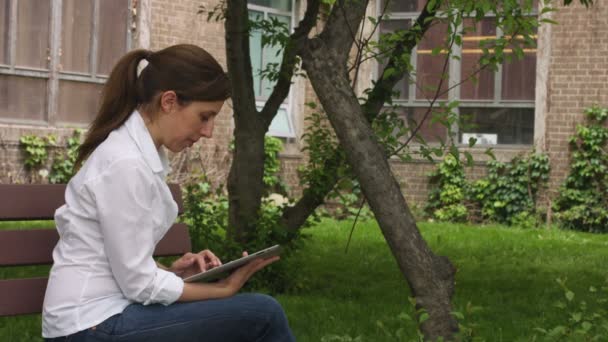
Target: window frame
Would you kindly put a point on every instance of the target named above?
(288, 104)
(53, 74)
(454, 76)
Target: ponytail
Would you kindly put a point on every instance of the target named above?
(119, 99)
(187, 69)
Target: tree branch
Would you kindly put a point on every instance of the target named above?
(345, 13)
(295, 44)
(238, 57)
(384, 86)
(294, 217)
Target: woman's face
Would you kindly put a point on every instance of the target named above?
(182, 126)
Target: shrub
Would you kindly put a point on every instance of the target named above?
(508, 193)
(446, 198)
(206, 213)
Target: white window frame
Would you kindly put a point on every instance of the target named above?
(53, 75)
(454, 74)
(287, 105)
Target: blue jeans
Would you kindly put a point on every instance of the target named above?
(244, 317)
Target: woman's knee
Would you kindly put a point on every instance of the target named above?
(270, 306)
(277, 328)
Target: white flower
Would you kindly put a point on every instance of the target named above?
(278, 199)
(43, 173)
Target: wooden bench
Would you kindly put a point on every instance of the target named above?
(35, 246)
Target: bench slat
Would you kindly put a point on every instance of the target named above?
(175, 242)
(22, 296)
(31, 201)
(35, 246)
(39, 201)
(27, 247)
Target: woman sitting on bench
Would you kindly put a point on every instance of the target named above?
(104, 284)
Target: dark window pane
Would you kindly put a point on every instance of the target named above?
(519, 77)
(22, 97)
(77, 19)
(282, 5)
(430, 129)
(480, 84)
(4, 20)
(112, 37)
(388, 26)
(404, 5)
(502, 125)
(429, 68)
(78, 101)
(33, 33)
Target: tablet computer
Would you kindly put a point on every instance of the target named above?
(218, 272)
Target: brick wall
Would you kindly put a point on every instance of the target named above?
(578, 78)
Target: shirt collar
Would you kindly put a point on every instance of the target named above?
(156, 159)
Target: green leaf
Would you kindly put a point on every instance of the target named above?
(569, 295)
(469, 158)
(586, 326)
(472, 141)
(423, 317)
(389, 72)
(458, 40)
(549, 21)
(458, 315)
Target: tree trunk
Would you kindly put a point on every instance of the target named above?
(430, 277)
(245, 180)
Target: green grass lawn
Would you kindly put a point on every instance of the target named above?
(509, 273)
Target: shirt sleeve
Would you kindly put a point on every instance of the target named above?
(125, 196)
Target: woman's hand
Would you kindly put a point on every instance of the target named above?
(190, 264)
(239, 277)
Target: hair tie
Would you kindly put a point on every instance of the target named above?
(143, 63)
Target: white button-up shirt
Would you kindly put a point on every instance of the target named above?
(117, 208)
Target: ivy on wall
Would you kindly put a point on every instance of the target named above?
(507, 194)
(582, 203)
(36, 157)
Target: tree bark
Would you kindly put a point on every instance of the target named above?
(245, 180)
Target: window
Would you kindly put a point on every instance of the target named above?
(56, 55)
(283, 11)
(498, 107)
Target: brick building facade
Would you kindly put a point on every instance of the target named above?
(571, 73)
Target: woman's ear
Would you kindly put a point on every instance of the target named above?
(168, 100)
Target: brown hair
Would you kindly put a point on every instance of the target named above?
(188, 70)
